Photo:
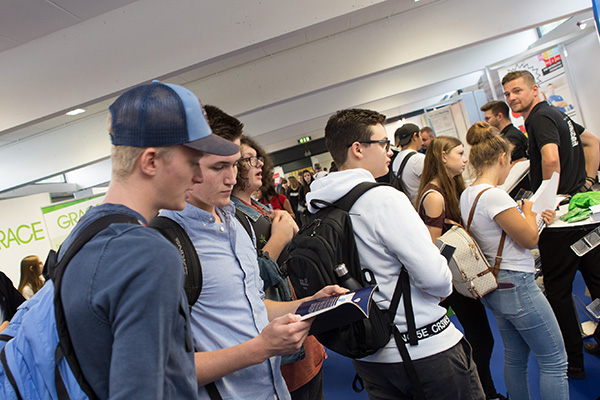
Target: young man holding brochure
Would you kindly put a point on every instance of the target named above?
(389, 234)
(240, 333)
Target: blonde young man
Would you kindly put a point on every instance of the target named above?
(123, 291)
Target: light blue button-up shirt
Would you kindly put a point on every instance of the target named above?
(230, 309)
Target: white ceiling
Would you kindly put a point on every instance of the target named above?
(282, 67)
(22, 21)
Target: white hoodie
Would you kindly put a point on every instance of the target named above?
(389, 233)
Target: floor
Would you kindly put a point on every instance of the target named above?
(339, 373)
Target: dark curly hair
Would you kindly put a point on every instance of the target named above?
(267, 169)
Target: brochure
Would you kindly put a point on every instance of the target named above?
(545, 198)
(335, 311)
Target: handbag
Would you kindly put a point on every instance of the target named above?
(472, 275)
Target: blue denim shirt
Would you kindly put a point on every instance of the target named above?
(230, 309)
(127, 312)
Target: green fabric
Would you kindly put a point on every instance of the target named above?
(584, 200)
(576, 214)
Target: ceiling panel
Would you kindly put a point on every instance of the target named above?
(89, 9)
(285, 43)
(25, 20)
(243, 57)
(22, 21)
(202, 72)
(6, 43)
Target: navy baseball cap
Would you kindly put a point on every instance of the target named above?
(162, 114)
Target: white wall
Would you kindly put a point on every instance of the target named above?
(583, 56)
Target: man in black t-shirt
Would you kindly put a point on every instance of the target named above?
(557, 144)
(497, 115)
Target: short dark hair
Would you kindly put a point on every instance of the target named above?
(348, 126)
(496, 107)
(512, 75)
(223, 124)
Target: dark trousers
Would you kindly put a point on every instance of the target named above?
(313, 390)
(449, 375)
(472, 316)
(559, 265)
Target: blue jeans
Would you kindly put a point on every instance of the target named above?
(527, 323)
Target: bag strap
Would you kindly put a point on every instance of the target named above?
(403, 290)
(65, 346)
(244, 221)
(279, 201)
(496, 267)
(347, 201)
(401, 169)
(213, 392)
(192, 268)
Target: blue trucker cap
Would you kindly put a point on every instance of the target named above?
(162, 114)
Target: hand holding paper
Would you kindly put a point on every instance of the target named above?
(545, 198)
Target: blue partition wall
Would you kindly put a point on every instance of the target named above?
(596, 5)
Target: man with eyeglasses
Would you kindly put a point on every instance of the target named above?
(239, 347)
(390, 235)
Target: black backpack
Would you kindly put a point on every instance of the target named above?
(396, 179)
(192, 268)
(175, 234)
(327, 241)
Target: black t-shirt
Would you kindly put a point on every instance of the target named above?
(546, 124)
(518, 139)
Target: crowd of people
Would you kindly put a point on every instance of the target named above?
(135, 336)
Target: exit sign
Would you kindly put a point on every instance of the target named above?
(304, 139)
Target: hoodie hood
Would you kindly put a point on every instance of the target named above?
(335, 185)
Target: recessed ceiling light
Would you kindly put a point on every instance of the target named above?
(76, 111)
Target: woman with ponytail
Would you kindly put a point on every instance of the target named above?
(438, 206)
(525, 319)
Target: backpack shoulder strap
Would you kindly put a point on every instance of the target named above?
(496, 266)
(192, 267)
(191, 263)
(244, 221)
(401, 168)
(472, 212)
(65, 346)
(402, 289)
(88, 233)
(347, 201)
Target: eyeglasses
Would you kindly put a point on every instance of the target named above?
(385, 143)
(252, 161)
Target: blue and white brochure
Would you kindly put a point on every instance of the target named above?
(335, 311)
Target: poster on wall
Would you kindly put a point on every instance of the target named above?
(548, 69)
(22, 232)
(442, 122)
(61, 218)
